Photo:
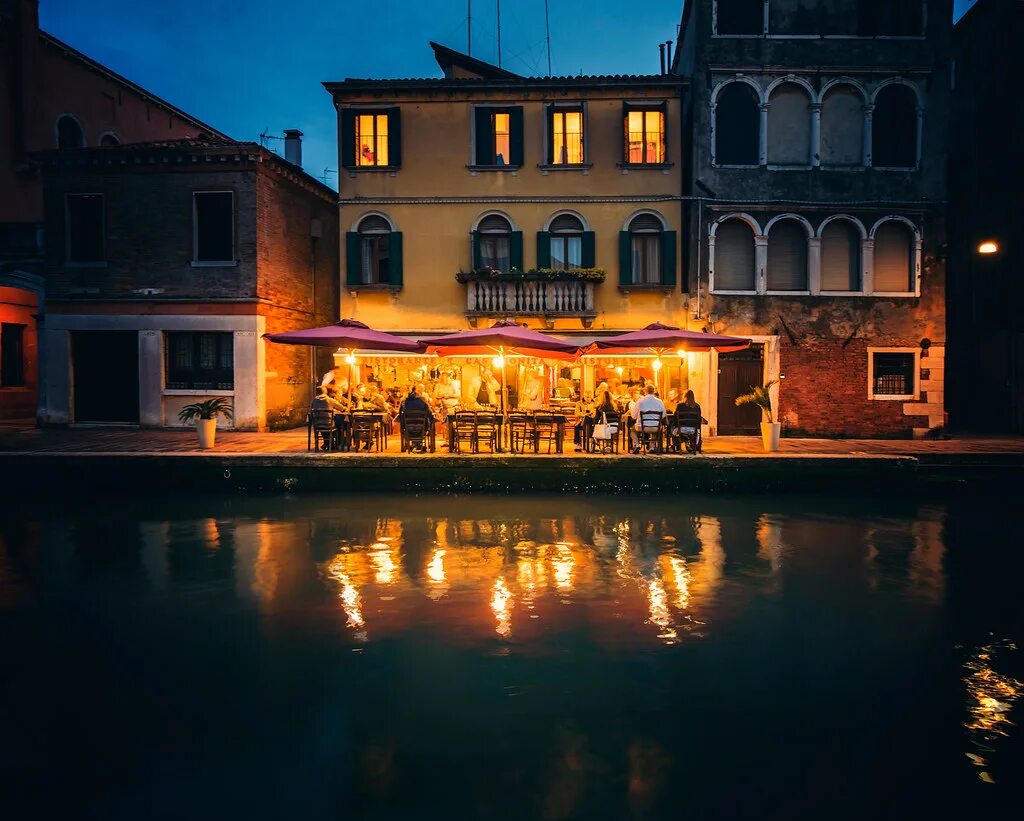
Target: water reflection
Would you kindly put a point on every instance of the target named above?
(990, 698)
(501, 604)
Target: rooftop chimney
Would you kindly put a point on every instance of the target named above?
(668, 56)
(661, 54)
(293, 146)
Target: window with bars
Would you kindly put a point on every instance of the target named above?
(644, 135)
(565, 136)
(200, 360)
(893, 374)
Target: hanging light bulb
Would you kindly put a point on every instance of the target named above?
(656, 364)
(350, 359)
(498, 361)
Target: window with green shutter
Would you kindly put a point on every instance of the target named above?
(371, 138)
(373, 255)
(498, 136)
(647, 254)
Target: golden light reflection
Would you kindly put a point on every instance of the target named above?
(383, 560)
(435, 568)
(659, 612)
(501, 604)
(991, 696)
(681, 578)
(562, 565)
(351, 601)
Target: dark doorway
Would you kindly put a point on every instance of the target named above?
(738, 372)
(105, 370)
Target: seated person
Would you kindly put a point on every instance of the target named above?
(648, 403)
(689, 404)
(604, 409)
(584, 408)
(671, 400)
(414, 402)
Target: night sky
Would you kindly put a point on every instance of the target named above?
(244, 66)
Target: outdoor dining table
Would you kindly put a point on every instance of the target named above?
(381, 428)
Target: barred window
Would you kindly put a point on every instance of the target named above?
(200, 360)
(893, 374)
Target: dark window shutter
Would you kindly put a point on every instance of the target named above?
(668, 258)
(625, 132)
(543, 249)
(353, 274)
(549, 131)
(734, 256)
(395, 259)
(515, 127)
(484, 136)
(787, 257)
(840, 257)
(394, 137)
(515, 250)
(587, 252)
(894, 255)
(625, 258)
(348, 138)
(476, 250)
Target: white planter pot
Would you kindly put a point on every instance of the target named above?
(770, 436)
(207, 429)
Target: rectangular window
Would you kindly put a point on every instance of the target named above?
(566, 136)
(566, 251)
(502, 137)
(84, 214)
(371, 140)
(201, 360)
(495, 251)
(647, 259)
(892, 374)
(375, 256)
(645, 136)
(214, 226)
(12, 355)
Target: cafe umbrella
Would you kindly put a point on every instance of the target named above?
(505, 338)
(351, 335)
(660, 339)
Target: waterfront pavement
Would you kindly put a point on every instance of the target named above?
(25, 439)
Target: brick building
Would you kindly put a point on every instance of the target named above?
(52, 96)
(165, 263)
(816, 187)
(986, 249)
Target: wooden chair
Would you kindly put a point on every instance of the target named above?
(684, 429)
(605, 445)
(414, 428)
(365, 430)
(521, 431)
(464, 430)
(487, 430)
(546, 429)
(321, 427)
(650, 434)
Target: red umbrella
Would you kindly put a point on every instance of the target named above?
(660, 338)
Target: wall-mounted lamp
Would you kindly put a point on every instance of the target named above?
(989, 246)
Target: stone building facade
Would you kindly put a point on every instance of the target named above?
(815, 186)
(165, 263)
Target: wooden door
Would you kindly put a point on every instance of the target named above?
(105, 369)
(737, 373)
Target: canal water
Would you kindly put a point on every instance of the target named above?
(511, 657)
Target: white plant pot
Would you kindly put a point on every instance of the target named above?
(770, 436)
(207, 429)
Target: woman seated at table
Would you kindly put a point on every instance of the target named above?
(689, 405)
(604, 409)
(583, 411)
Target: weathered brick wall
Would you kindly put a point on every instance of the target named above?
(148, 216)
(297, 283)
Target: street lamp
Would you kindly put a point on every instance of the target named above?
(989, 246)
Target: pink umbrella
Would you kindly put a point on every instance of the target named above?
(659, 338)
(352, 335)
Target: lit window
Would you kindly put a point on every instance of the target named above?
(892, 374)
(372, 140)
(566, 242)
(374, 251)
(645, 136)
(85, 240)
(502, 138)
(214, 226)
(566, 137)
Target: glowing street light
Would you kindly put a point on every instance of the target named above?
(988, 247)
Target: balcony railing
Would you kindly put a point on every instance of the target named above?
(548, 297)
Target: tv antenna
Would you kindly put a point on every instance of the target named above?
(547, 33)
(327, 171)
(266, 137)
(499, 33)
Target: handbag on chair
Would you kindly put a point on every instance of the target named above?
(602, 430)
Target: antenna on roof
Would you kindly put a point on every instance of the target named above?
(326, 172)
(266, 137)
(469, 27)
(499, 33)
(547, 32)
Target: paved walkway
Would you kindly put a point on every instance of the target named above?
(130, 440)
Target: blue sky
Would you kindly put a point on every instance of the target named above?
(248, 65)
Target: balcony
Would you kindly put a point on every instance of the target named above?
(547, 295)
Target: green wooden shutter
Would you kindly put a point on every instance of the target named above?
(484, 136)
(515, 127)
(668, 258)
(515, 250)
(348, 138)
(476, 251)
(353, 264)
(625, 258)
(395, 259)
(587, 251)
(543, 249)
(625, 132)
(394, 137)
(549, 130)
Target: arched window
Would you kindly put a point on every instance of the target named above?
(109, 140)
(734, 256)
(739, 17)
(894, 258)
(566, 242)
(69, 133)
(493, 243)
(737, 125)
(842, 126)
(789, 125)
(840, 256)
(894, 128)
(645, 244)
(374, 250)
(787, 256)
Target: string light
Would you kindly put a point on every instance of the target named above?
(498, 362)
(350, 359)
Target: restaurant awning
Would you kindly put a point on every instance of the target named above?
(506, 338)
(350, 334)
(659, 338)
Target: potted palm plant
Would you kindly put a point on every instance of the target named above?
(770, 429)
(204, 414)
